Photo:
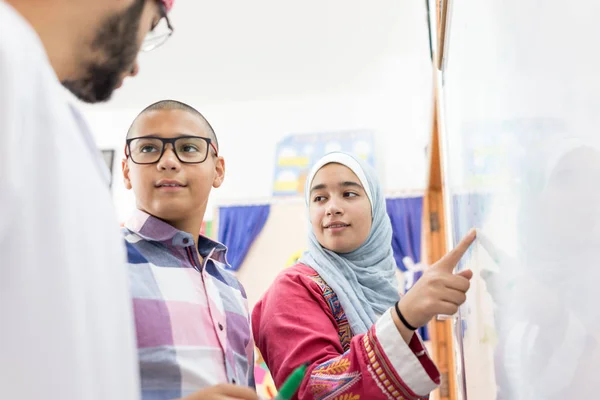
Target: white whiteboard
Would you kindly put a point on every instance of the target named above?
(521, 103)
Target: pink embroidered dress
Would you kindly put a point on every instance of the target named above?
(334, 310)
(301, 320)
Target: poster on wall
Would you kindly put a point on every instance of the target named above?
(296, 153)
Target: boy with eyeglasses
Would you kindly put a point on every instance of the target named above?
(191, 315)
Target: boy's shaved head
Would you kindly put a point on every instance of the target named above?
(168, 105)
(170, 189)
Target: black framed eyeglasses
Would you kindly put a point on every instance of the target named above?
(150, 149)
(160, 33)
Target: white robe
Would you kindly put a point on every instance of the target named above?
(66, 328)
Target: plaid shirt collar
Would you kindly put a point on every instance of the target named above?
(153, 229)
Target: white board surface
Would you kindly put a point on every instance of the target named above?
(521, 135)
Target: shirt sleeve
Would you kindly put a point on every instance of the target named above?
(293, 324)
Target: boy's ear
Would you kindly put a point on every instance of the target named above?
(125, 168)
(220, 172)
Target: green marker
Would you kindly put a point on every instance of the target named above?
(292, 383)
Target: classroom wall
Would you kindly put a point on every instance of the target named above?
(284, 234)
(272, 69)
(248, 134)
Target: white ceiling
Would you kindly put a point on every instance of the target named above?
(263, 69)
(238, 50)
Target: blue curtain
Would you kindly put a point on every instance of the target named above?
(239, 227)
(406, 215)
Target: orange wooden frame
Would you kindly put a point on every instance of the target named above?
(434, 227)
(434, 237)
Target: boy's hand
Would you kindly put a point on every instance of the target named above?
(223, 392)
(438, 291)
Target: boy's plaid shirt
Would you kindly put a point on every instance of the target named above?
(192, 320)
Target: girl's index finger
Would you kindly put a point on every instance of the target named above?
(451, 259)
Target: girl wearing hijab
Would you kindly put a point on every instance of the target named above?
(339, 309)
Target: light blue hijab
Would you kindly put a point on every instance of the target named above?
(364, 280)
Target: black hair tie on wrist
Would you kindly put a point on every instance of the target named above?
(409, 326)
